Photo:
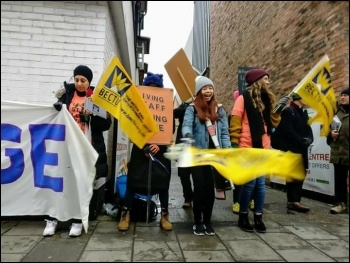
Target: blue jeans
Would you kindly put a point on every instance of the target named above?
(254, 189)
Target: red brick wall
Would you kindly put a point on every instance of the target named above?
(285, 38)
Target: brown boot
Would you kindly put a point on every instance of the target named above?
(124, 223)
(164, 222)
(339, 209)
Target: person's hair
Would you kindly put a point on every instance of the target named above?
(255, 91)
(206, 110)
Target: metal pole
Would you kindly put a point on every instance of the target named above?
(149, 185)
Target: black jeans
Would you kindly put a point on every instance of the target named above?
(340, 184)
(237, 193)
(294, 190)
(185, 178)
(203, 194)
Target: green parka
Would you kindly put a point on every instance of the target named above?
(340, 147)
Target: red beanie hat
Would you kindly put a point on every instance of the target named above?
(254, 75)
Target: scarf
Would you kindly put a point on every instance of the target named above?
(255, 120)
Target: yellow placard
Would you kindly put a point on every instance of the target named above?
(116, 93)
(160, 103)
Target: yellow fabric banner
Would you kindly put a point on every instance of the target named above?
(116, 93)
(317, 91)
(243, 164)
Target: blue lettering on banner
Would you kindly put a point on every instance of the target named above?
(12, 133)
(39, 156)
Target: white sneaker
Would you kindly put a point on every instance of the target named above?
(75, 230)
(50, 228)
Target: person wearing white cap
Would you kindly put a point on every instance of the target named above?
(205, 122)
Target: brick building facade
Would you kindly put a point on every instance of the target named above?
(285, 38)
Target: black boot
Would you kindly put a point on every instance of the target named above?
(243, 222)
(259, 224)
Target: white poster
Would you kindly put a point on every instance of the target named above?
(320, 177)
(47, 164)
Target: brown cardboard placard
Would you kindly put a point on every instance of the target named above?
(182, 75)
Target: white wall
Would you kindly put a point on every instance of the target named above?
(43, 41)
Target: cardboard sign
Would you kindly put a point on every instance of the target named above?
(160, 103)
(182, 75)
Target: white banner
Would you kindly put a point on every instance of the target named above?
(320, 177)
(47, 164)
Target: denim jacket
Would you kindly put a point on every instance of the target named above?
(199, 131)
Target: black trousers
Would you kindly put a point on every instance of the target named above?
(340, 185)
(294, 190)
(185, 178)
(237, 193)
(203, 194)
(295, 187)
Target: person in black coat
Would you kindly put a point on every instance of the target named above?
(183, 172)
(73, 96)
(296, 136)
(139, 168)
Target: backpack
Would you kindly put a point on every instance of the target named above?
(138, 212)
(160, 179)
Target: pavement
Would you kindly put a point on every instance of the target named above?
(317, 236)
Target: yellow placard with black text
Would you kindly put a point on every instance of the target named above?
(116, 93)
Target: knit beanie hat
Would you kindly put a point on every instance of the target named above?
(254, 75)
(83, 71)
(346, 91)
(202, 81)
(295, 97)
(156, 79)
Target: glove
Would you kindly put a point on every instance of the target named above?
(283, 102)
(234, 145)
(58, 105)
(146, 149)
(307, 142)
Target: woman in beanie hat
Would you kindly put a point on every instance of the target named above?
(338, 140)
(139, 165)
(251, 124)
(205, 110)
(74, 95)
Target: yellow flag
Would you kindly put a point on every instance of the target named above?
(245, 164)
(317, 91)
(116, 93)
